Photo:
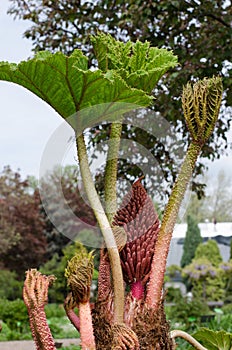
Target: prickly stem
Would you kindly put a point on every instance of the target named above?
(105, 229)
(154, 289)
(69, 305)
(111, 170)
(86, 327)
(201, 104)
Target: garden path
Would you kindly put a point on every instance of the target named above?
(29, 345)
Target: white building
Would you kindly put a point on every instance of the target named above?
(220, 232)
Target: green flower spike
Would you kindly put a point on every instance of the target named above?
(201, 104)
(79, 274)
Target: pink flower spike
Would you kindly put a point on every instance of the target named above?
(137, 290)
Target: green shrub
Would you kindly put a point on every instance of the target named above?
(61, 328)
(55, 327)
(228, 299)
(54, 310)
(206, 279)
(5, 332)
(227, 309)
(221, 322)
(185, 312)
(225, 323)
(14, 314)
(71, 347)
(173, 295)
(210, 251)
(15, 325)
(8, 334)
(10, 287)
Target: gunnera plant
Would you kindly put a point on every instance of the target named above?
(128, 313)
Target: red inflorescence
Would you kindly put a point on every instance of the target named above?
(140, 221)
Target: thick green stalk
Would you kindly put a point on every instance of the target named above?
(105, 228)
(154, 290)
(111, 171)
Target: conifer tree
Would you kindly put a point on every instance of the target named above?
(231, 249)
(191, 242)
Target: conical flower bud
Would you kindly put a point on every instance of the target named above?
(35, 296)
(79, 275)
(201, 104)
(140, 221)
(35, 290)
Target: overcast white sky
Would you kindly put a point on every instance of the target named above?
(26, 121)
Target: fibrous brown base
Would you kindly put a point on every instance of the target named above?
(151, 329)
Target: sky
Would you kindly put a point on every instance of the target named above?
(27, 122)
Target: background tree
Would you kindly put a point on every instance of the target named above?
(227, 276)
(8, 234)
(21, 216)
(199, 33)
(197, 207)
(28, 237)
(231, 249)
(69, 228)
(192, 240)
(210, 251)
(217, 202)
(10, 286)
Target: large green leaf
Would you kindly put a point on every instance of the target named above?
(214, 340)
(69, 86)
(139, 64)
